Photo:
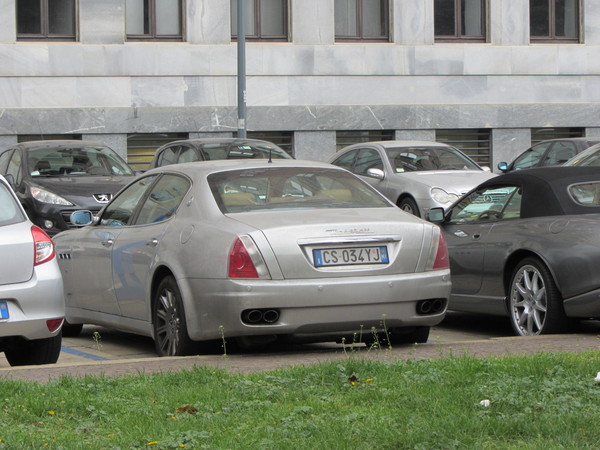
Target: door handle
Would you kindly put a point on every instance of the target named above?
(152, 242)
(108, 243)
(476, 236)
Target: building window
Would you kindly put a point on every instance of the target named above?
(475, 143)
(346, 138)
(46, 19)
(141, 147)
(48, 137)
(460, 20)
(265, 20)
(361, 20)
(554, 20)
(154, 20)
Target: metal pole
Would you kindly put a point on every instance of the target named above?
(241, 60)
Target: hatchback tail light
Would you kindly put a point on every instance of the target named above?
(245, 261)
(43, 245)
(441, 258)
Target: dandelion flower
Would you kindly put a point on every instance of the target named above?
(152, 443)
(51, 413)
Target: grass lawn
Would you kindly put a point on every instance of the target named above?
(543, 401)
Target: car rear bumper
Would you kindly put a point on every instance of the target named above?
(32, 303)
(215, 307)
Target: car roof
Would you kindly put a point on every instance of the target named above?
(58, 144)
(402, 143)
(544, 189)
(576, 139)
(204, 168)
(221, 140)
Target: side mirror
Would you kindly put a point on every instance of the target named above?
(82, 218)
(376, 173)
(436, 215)
(503, 166)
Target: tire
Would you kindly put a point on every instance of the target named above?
(71, 330)
(170, 330)
(35, 352)
(535, 305)
(408, 205)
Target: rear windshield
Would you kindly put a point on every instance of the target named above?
(9, 209)
(75, 161)
(291, 188)
(243, 150)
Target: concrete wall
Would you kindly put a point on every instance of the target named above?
(105, 86)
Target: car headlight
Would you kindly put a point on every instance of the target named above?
(443, 197)
(44, 196)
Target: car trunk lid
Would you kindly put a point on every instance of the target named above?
(340, 242)
(16, 242)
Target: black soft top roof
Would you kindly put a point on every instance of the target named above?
(545, 189)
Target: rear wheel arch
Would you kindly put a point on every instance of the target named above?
(512, 262)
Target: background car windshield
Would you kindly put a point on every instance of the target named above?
(76, 161)
(412, 159)
(291, 188)
(9, 211)
(244, 150)
(487, 204)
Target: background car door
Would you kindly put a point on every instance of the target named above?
(135, 250)
(469, 230)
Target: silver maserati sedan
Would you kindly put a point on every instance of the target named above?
(253, 251)
(415, 175)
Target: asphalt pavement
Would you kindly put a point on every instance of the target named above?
(104, 352)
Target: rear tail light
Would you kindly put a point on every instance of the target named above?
(245, 261)
(44, 247)
(441, 258)
(54, 324)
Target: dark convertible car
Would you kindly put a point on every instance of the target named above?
(527, 245)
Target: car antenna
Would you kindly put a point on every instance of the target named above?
(270, 159)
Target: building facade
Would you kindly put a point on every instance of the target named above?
(489, 76)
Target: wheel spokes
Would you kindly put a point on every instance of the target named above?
(529, 301)
(167, 326)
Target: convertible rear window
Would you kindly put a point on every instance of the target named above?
(291, 188)
(586, 194)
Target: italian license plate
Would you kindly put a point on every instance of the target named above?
(350, 256)
(3, 310)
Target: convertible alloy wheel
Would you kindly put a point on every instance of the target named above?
(170, 331)
(534, 303)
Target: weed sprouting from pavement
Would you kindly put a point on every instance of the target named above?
(96, 337)
(224, 342)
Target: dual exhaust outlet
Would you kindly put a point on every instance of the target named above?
(260, 316)
(431, 306)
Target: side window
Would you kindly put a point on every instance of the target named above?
(560, 153)
(459, 20)
(554, 20)
(46, 20)
(168, 156)
(362, 20)
(120, 211)
(488, 204)
(346, 160)
(4, 159)
(15, 167)
(266, 20)
(157, 20)
(187, 154)
(531, 157)
(368, 158)
(164, 199)
(586, 194)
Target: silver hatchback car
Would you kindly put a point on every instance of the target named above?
(32, 305)
(415, 175)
